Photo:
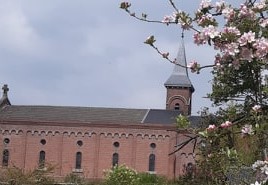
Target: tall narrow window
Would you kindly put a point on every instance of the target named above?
(5, 158)
(78, 160)
(42, 159)
(152, 162)
(189, 169)
(115, 159)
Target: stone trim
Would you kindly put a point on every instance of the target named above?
(38, 132)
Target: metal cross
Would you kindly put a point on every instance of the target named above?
(5, 89)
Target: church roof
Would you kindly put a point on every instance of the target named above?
(179, 76)
(71, 114)
(68, 114)
(84, 115)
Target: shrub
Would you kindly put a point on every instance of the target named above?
(74, 178)
(121, 175)
(17, 176)
(151, 179)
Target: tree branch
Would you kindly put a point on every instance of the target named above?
(173, 5)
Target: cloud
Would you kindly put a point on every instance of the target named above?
(16, 33)
(90, 53)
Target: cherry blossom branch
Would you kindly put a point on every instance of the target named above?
(125, 6)
(194, 138)
(173, 5)
(193, 65)
(183, 144)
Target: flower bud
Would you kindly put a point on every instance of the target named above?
(125, 5)
(150, 40)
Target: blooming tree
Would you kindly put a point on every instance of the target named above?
(238, 136)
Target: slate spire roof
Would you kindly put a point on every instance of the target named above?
(179, 76)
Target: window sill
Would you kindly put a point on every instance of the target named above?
(42, 169)
(77, 170)
(152, 172)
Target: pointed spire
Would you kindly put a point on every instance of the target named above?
(4, 100)
(181, 60)
(179, 76)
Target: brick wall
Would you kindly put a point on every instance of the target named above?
(97, 148)
(182, 96)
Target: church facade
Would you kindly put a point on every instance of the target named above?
(89, 140)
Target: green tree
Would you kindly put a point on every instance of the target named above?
(237, 135)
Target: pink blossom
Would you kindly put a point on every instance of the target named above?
(228, 13)
(231, 49)
(256, 183)
(262, 166)
(248, 37)
(261, 47)
(205, 18)
(217, 60)
(236, 64)
(193, 66)
(246, 12)
(226, 124)
(165, 55)
(210, 155)
(256, 108)
(247, 130)
(168, 19)
(260, 6)
(199, 38)
(211, 127)
(205, 4)
(219, 5)
(231, 30)
(263, 22)
(246, 54)
(211, 31)
(219, 46)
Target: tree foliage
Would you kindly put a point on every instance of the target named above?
(237, 135)
(122, 175)
(16, 176)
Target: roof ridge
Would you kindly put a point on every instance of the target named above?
(145, 115)
(70, 106)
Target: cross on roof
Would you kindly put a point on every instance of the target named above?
(5, 89)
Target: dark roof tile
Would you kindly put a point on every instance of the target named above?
(69, 114)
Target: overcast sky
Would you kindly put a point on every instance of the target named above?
(91, 53)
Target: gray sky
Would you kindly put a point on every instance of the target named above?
(91, 53)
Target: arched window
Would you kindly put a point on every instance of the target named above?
(5, 158)
(115, 159)
(42, 159)
(189, 169)
(152, 163)
(78, 160)
(177, 106)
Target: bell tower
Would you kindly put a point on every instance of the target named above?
(179, 86)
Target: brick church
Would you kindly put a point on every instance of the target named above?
(89, 140)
